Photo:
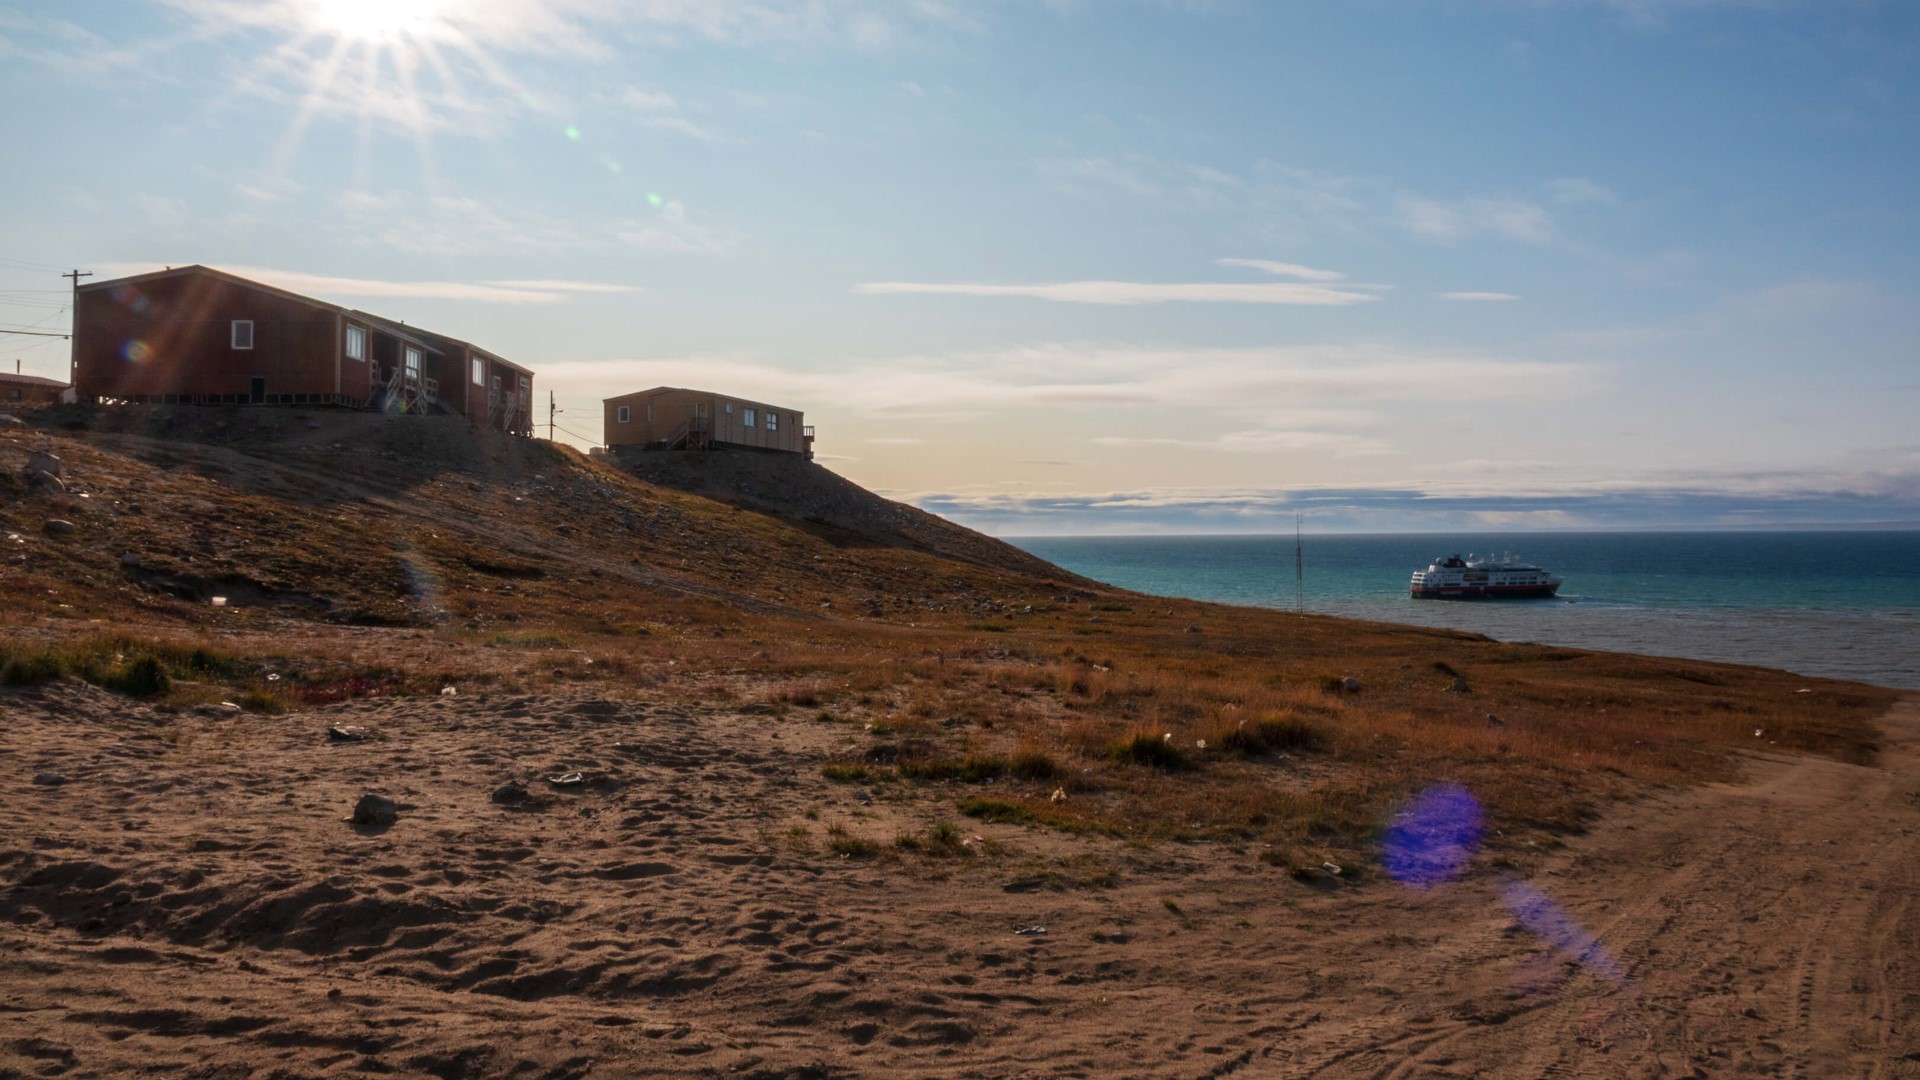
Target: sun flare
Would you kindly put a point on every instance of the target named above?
(377, 20)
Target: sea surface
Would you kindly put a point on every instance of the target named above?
(1839, 604)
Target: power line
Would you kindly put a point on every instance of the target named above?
(34, 333)
(25, 265)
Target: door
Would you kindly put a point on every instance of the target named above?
(257, 393)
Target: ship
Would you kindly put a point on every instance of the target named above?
(1476, 578)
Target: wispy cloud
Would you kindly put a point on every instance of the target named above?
(653, 109)
(568, 286)
(1284, 269)
(1487, 296)
(1453, 220)
(1101, 376)
(1134, 292)
(325, 286)
(460, 226)
(1576, 190)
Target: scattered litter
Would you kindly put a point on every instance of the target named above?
(228, 706)
(1803, 690)
(219, 601)
(272, 677)
(1759, 732)
(1059, 795)
(1036, 928)
(572, 779)
(447, 691)
(346, 733)
(1332, 868)
(1200, 744)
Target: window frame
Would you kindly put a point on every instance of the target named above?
(773, 420)
(414, 360)
(356, 343)
(746, 417)
(233, 334)
(479, 371)
(623, 414)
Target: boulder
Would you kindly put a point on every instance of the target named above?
(43, 461)
(45, 481)
(375, 810)
(57, 527)
(10, 420)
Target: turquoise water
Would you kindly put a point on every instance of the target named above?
(1840, 604)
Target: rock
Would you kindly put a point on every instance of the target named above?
(346, 733)
(1192, 628)
(49, 779)
(511, 792)
(375, 810)
(1495, 721)
(43, 461)
(9, 420)
(57, 527)
(130, 560)
(45, 481)
(1458, 686)
(1350, 684)
(1093, 618)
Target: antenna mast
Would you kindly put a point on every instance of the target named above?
(1299, 570)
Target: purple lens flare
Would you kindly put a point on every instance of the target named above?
(1433, 837)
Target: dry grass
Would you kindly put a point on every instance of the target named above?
(523, 568)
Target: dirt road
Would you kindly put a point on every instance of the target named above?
(188, 899)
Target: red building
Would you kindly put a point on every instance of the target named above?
(198, 336)
(29, 390)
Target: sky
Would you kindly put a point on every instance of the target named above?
(1068, 266)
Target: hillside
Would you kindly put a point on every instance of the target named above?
(719, 765)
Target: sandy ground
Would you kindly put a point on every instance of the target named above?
(193, 900)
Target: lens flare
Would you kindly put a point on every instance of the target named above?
(377, 20)
(136, 351)
(1434, 837)
(1532, 909)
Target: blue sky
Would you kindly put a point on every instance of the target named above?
(1069, 266)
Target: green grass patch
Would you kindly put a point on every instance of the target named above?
(846, 772)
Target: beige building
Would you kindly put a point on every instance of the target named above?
(673, 418)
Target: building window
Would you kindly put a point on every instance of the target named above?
(625, 414)
(413, 363)
(13, 395)
(649, 412)
(746, 417)
(479, 372)
(773, 421)
(243, 333)
(729, 408)
(356, 343)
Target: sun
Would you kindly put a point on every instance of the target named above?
(378, 21)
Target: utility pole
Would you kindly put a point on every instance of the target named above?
(73, 359)
(550, 414)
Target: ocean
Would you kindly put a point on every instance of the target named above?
(1839, 604)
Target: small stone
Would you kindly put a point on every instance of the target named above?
(130, 560)
(1192, 628)
(511, 792)
(1458, 686)
(49, 779)
(57, 527)
(1350, 684)
(1495, 721)
(43, 461)
(375, 810)
(45, 481)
